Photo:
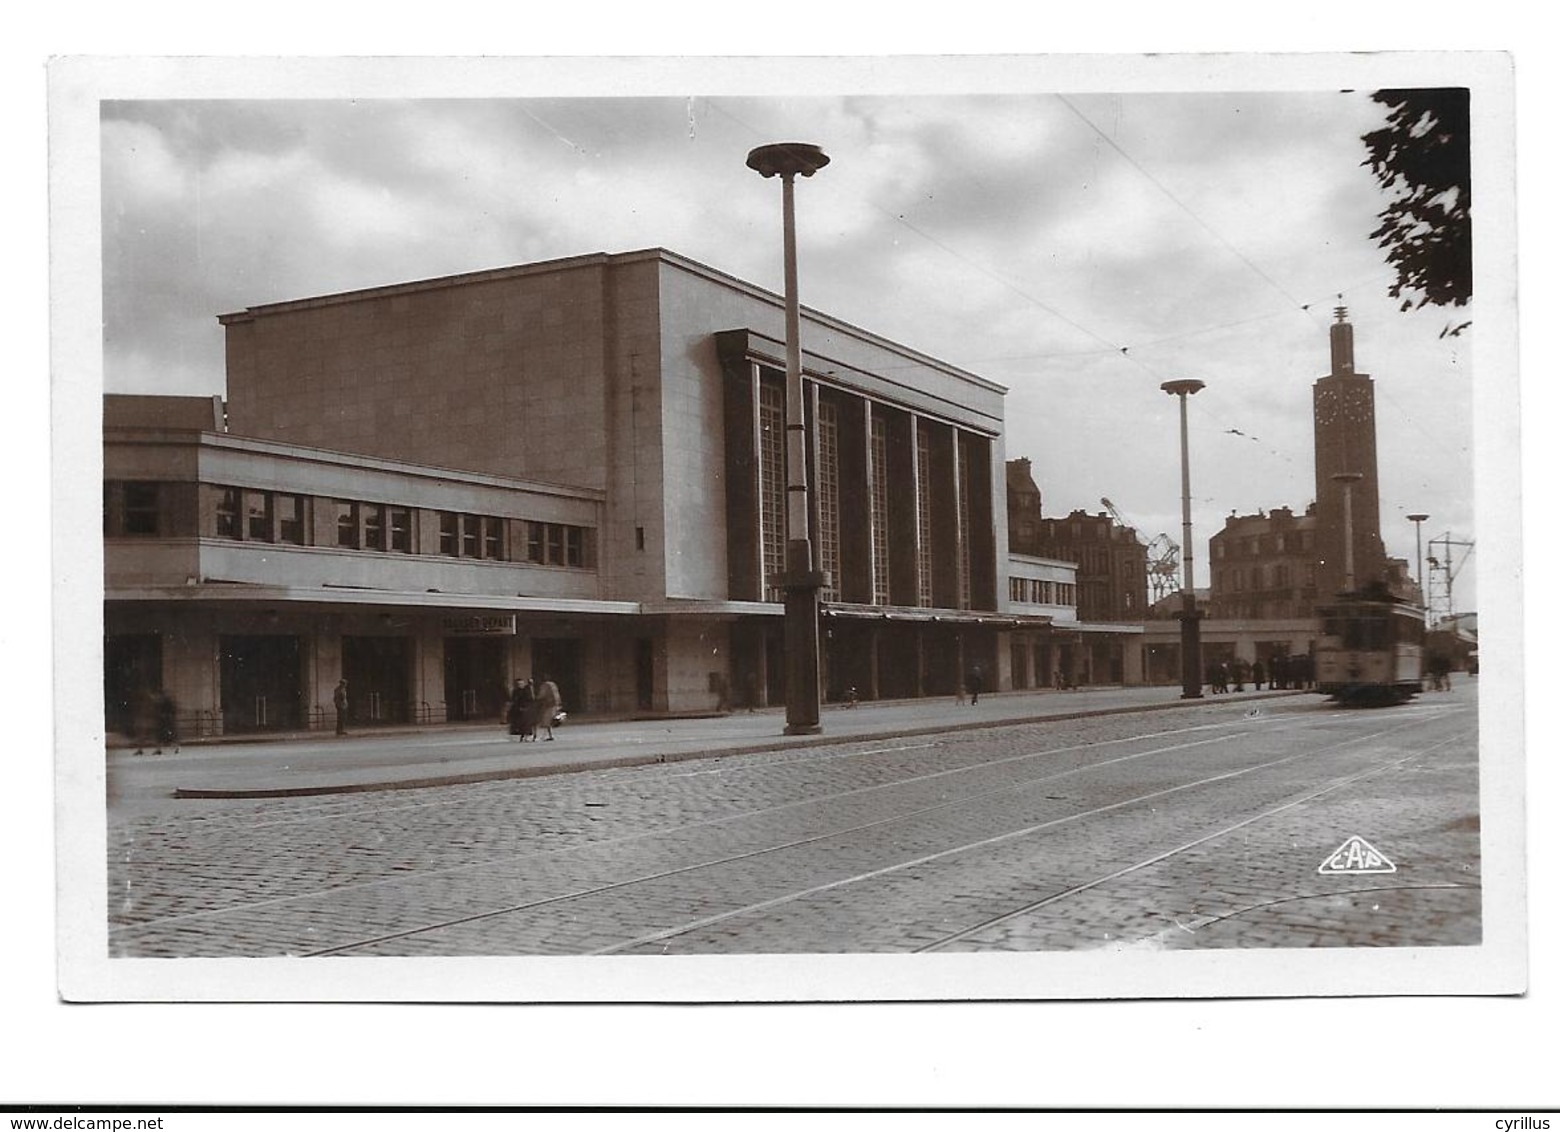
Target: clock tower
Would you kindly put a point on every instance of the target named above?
(1344, 411)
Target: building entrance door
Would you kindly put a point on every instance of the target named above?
(644, 674)
(262, 681)
(560, 659)
(132, 673)
(474, 677)
(378, 672)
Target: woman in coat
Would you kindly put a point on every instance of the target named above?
(520, 713)
(547, 704)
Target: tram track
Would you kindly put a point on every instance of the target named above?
(558, 902)
(748, 815)
(748, 910)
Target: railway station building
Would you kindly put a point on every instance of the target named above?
(572, 468)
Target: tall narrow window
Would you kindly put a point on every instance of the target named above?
(492, 537)
(257, 516)
(771, 483)
(923, 514)
(289, 519)
(401, 529)
(347, 533)
(470, 536)
(829, 496)
(373, 527)
(229, 505)
(141, 509)
(879, 438)
(449, 533)
(964, 524)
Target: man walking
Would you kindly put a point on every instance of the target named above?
(340, 699)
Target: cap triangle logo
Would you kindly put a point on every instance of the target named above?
(1357, 855)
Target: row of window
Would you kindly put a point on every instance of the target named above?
(831, 520)
(1268, 610)
(1040, 591)
(260, 516)
(1273, 576)
(1092, 559)
(251, 515)
(1251, 546)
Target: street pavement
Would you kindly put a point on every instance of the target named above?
(1202, 827)
(400, 758)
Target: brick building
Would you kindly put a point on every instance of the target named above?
(1264, 566)
(1112, 563)
(573, 467)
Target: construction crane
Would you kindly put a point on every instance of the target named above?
(1164, 559)
(1443, 572)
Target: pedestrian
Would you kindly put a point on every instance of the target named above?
(750, 689)
(517, 712)
(1439, 673)
(976, 677)
(1057, 682)
(722, 693)
(167, 723)
(1238, 667)
(1223, 672)
(1258, 674)
(1280, 671)
(548, 704)
(143, 718)
(341, 702)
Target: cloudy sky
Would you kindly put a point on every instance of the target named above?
(1078, 248)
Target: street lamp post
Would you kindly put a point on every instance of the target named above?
(801, 580)
(1419, 558)
(1348, 480)
(1191, 635)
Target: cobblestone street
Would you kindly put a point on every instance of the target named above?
(1203, 827)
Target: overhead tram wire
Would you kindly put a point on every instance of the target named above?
(1110, 347)
(1179, 203)
(898, 218)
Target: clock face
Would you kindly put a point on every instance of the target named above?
(1326, 407)
(1352, 405)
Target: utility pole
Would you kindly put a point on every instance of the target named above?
(1191, 632)
(802, 579)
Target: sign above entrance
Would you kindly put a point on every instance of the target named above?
(480, 625)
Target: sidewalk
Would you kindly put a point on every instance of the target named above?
(457, 753)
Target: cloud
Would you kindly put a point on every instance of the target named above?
(1025, 237)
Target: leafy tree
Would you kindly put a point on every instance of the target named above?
(1421, 156)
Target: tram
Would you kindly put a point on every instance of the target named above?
(1371, 648)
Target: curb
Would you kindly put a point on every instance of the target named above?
(620, 762)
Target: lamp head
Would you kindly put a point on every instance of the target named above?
(1183, 387)
(787, 159)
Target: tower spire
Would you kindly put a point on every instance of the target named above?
(1342, 343)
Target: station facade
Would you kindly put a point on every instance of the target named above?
(572, 468)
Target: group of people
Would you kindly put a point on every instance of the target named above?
(1438, 672)
(1280, 672)
(154, 718)
(534, 705)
